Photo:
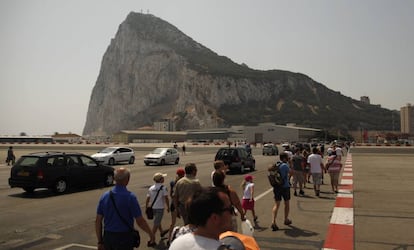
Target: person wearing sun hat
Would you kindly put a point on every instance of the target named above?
(248, 195)
(157, 196)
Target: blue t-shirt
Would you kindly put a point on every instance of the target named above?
(127, 205)
(284, 171)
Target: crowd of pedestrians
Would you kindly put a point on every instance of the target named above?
(209, 214)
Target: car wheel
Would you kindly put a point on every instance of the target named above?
(111, 161)
(131, 160)
(109, 180)
(177, 161)
(242, 169)
(61, 186)
(146, 163)
(29, 189)
(162, 162)
(253, 166)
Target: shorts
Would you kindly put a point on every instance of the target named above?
(280, 193)
(298, 177)
(248, 204)
(317, 178)
(158, 214)
(334, 178)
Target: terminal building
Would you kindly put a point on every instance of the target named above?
(262, 133)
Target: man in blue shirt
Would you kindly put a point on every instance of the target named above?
(282, 192)
(116, 235)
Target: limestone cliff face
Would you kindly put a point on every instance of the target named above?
(152, 71)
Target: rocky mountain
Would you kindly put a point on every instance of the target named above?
(152, 71)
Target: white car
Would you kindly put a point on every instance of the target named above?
(162, 156)
(113, 155)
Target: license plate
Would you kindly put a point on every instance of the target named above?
(23, 173)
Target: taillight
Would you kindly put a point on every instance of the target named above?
(40, 174)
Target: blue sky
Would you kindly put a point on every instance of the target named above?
(51, 50)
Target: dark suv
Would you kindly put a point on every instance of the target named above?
(58, 171)
(237, 159)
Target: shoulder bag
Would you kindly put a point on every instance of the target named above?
(135, 237)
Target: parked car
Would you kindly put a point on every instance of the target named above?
(162, 156)
(236, 158)
(58, 171)
(113, 155)
(270, 149)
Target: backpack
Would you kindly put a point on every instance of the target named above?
(274, 175)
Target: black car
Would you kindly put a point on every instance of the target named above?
(59, 171)
(237, 159)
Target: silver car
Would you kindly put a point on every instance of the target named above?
(113, 155)
(162, 156)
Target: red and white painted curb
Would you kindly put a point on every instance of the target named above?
(340, 234)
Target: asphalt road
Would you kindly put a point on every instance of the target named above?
(383, 212)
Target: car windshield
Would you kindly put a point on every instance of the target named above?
(107, 150)
(225, 152)
(158, 151)
(28, 161)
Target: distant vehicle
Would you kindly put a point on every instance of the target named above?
(113, 155)
(162, 156)
(58, 171)
(270, 149)
(237, 159)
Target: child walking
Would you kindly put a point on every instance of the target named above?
(248, 196)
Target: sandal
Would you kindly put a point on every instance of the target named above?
(288, 222)
(274, 227)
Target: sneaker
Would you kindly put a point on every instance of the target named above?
(274, 227)
(288, 222)
(301, 192)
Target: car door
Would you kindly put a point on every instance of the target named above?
(92, 172)
(76, 172)
(117, 155)
(125, 153)
(168, 156)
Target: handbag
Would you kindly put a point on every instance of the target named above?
(148, 211)
(247, 228)
(135, 237)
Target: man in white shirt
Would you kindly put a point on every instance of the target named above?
(210, 210)
(316, 169)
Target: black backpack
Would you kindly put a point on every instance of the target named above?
(274, 175)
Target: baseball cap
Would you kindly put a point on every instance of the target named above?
(180, 172)
(248, 178)
(158, 176)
